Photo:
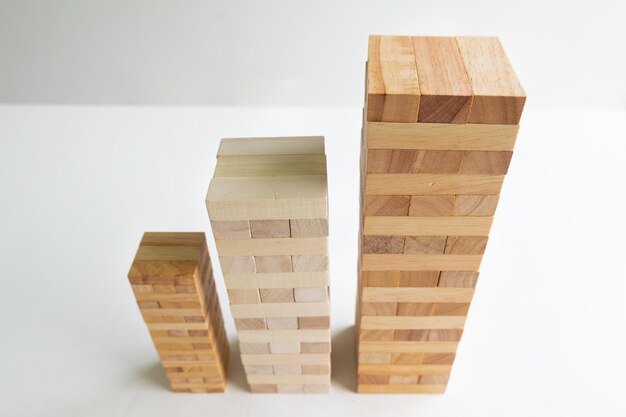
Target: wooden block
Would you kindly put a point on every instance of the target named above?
(427, 226)
(272, 247)
(431, 184)
(418, 278)
(442, 358)
(427, 205)
(415, 309)
(407, 358)
(385, 205)
(415, 335)
(383, 244)
(277, 280)
(316, 388)
(380, 278)
(403, 379)
(171, 277)
(446, 92)
(284, 347)
(437, 162)
(282, 323)
(234, 229)
(475, 205)
(483, 162)
(310, 295)
(290, 388)
(250, 324)
(445, 335)
(285, 336)
(375, 358)
(287, 369)
(376, 335)
(237, 264)
(273, 264)
(258, 369)
(498, 95)
(409, 323)
(408, 347)
(288, 379)
(439, 136)
(373, 379)
(245, 311)
(315, 369)
(420, 262)
(365, 369)
(263, 388)
(309, 227)
(379, 309)
(320, 359)
(247, 296)
(269, 228)
(270, 165)
(417, 295)
(315, 347)
(294, 145)
(466, 244)
(393, 93)
(450, 309)
(436, 380)
(309, 263)
(458, 279)
(424, 244)
(321, 322)
(400, 389)
(277, 295)
(386, 161)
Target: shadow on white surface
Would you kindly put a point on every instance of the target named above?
(343, 361)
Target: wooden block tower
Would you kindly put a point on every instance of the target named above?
(440, 121)
(172, 279)
(268, 208)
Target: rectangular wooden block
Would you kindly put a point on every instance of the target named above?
(427, 226)
(432, 184)
(184, 317)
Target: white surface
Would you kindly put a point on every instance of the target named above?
(568, 53)
(545, 335)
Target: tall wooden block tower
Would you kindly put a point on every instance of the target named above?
(440, 122)
(172, 279)
(268, 208)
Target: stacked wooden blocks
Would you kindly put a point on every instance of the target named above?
(268, 208)
(440, 121)
(172, 279)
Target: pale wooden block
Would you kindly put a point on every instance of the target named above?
(277, 295)
(288, 145)
(254, 348)
(375, 335)
(419, 278)
(142, 289)
(237, 264)
(409, 323)
(450, 309)
(285, 336)
(373, 379)
(430, 205)
(310, 263)
(273, 264)
(269, 165)
(284, 347)
(258, 369)
(458, 279)
(287, 369)
(316, 388)
(272, 247)
(269, 228)
(250, 324)
(404, 389)
(432, 184)
(288, 379)
(322, 359)
(417, 295)
(316, 369)
(367, 369)
(420, 262)
(277, 280)
(246, 311)
(379, 309)
(403, 379)
(425, 244)
(374, 358)
(282, 323)
(466, 244)
(427, 226)
(322, 322)
(441, 136)
(247, 296)
(433, 379)
(415, 309)
(310, 295)
(382, 244)
(290, 388)
(445, 335)
(315, 347)
(408, 347)
(475, 205)
(177, 326)
(308, 227)
(234, 229)
(263, 388)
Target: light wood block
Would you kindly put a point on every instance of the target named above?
(291, 145)
(427, 226)
(431, 184)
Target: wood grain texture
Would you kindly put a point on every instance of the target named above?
(429, 205)
(498, 95)
(293, 145)
(432, 184)
(408, 347)
(475, 205)
(393, 92)
(418, 295)
(277, 280)
(400, 389)
(420, 262)
(446, 93)
(272, 247)
(385, 205)
(427, 226)
(485, 162)
(270, 165)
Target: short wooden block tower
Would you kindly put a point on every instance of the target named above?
(440, 121)
(172, 279)
(268, 208)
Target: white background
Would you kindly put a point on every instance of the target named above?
(79, 184)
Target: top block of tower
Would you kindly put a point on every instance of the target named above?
(441, 80)
(269, 179)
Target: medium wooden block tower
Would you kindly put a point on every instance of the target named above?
(172, 279)
(440, 121)
(268, 208)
